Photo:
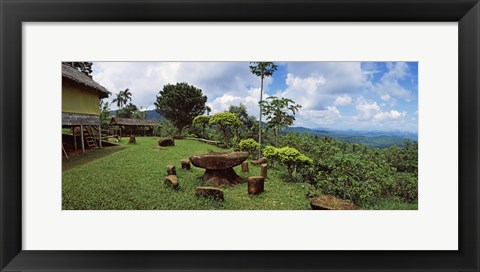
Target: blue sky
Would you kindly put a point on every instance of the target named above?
(335, 95)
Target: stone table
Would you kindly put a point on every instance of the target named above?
(219, 166)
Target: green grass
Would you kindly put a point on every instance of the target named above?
(132, 178)
(88, 157)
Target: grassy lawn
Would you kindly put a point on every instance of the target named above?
(131, 177)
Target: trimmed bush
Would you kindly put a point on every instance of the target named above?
(249, 145)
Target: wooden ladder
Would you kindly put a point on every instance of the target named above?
(89, 137)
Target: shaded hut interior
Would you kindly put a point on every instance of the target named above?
(131, 127)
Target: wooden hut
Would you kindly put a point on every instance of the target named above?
(130, 126)
(80, 107)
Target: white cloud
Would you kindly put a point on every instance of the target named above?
(371, 111)
(320, 87)
(250, 100)
(389, 87)
(366, 110)
(317, 118)
(343, 100)
(146, 79)
(388, 116)
(315, 84)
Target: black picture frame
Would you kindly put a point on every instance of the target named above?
(14, 12)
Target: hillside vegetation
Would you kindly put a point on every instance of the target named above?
(132, 179)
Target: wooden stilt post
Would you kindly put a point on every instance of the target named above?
(64, 152)
(74, 138)
(81, 136)
(100, 136)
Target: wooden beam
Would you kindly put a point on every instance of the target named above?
(81, 136)
(74, 138)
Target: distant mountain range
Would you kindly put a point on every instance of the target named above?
(378, 139)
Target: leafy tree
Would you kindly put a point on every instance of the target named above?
(226, 122)
(165, 128)
(262, 70)
(289, 156)
(247, 120)
(271, 153)
(105, 114)
(249, 145)
(180, 103)
(403, 159)
(208, 110)
(278, 114)
(129, 111)
(122, 98)
(139, 113)
(84, 67)
(201, 121)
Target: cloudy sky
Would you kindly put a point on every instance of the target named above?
(336, 95)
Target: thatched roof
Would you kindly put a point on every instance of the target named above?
(74, 75)
(132, 122)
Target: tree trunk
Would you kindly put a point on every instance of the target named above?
(276, 137)
(260, 121)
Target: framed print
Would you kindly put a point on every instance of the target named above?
(372, 113)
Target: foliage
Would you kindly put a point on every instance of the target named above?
(139, 113)
(165, 128)
(180, 103)
(403, 159)
(127, 111)
(84, 67)
(249, 129)
(271, 153)
(352, 177)
(356, 172)
(104, 114)
(202, 122)
(226, 122)
(122, 98)
(261, 70)
(249, 145)
(293, 159)
(289, 156)
(278, 114)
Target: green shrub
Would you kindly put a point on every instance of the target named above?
(164, 129)
(288, 156)
(227, 123)
(249, 145)
(270, 153)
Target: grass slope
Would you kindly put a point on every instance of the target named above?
(132, 178)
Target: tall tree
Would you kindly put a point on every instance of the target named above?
(241, 112)
(180, 103)
(248, 121)
(127, 96)
(104, 113)
(226, 122)
(122, 98)
(280, 113)
(262, 70)
(129, 111)
(208, 110)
